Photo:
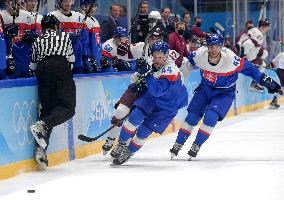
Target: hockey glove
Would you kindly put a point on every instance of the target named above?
(139, 88)
(11, 30)
(96, 67)
(88, 68)
(30, 37)
(75, 37)
(145, 70)
(123, 49)
(121, 65)
(271, 85)
(105, 63)
(11, 67)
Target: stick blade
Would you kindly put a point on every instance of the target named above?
(84, 138)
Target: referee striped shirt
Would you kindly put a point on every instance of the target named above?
(52, 43)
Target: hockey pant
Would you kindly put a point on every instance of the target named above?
(57, 91)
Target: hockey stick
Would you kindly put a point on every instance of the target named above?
(91, 139)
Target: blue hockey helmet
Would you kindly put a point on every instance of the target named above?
(120, 32)
(215, 39)
(160, 46)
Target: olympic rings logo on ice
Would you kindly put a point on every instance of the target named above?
(24, 114)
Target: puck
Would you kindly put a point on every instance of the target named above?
(30, 191)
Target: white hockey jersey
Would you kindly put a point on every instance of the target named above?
(252, 42)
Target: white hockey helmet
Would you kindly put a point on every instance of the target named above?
(155, 15)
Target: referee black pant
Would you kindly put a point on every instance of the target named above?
(57, 91)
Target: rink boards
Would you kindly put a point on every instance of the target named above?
(96, 95)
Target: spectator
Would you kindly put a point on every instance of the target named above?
(141, 26)
(109, 25)
(187, 32)
(196, 30)
(248, 25)
(166, 26)
(178, 43)
(123, 11)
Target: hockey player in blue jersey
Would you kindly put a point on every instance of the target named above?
(156, 108)
(219, 68)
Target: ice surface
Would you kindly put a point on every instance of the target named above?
(243, 160)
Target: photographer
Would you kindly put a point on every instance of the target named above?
(141, 26)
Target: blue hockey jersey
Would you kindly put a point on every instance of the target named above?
(166, 91)
(225, 73)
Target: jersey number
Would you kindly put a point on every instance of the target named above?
(169, 69)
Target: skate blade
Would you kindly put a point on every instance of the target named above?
(41, 166)
(274, 107)
(190, 158)
(105, 152)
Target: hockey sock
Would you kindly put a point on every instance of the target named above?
(129, 127)
(209, 122)
(186, 129)
(120, 112)
(138, 141)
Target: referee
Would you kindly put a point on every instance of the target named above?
(56, 88)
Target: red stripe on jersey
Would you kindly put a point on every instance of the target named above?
(204, 132)
(106, 54)
(172, 78)
(128, 131)
(185, 131)
(95, 30)
(239, 68)
(70, 26)
(136, 145)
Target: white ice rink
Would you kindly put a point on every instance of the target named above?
(243, 160)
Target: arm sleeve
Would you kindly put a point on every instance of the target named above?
(157, 87)
(34, 53)
(252, 71)
(190, 58)
(70, 52)
(171, 41)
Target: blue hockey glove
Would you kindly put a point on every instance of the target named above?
(271, 85)
(30, 37)
(75, 37)
(11, 30)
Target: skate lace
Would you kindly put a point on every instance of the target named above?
(41, 127)
(120, 148)
(177, 146)
(195, 148)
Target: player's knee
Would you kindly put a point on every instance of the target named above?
(143, 132)
(193, 119)
(211, 118)
(136, 117)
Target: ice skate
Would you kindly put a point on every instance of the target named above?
(41, 158)
(122, 157)
(274, 104)
(108, 145)
(193, 151)
(175, 149)
(118, 149)
(39, 130)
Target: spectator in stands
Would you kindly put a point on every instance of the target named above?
(123, 11)
(109, 25)
(141, 25)
(248, 25)
(166, 26)
(196, 30)
(187, 32)
(178, 43)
